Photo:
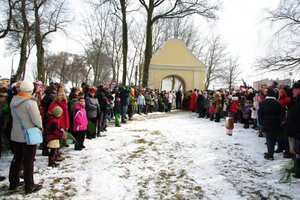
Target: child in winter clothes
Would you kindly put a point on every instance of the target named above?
(246, 114)
(53, 133)
(234, 109)
(80, 123)
(117, 112)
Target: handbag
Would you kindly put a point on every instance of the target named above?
(33, 135)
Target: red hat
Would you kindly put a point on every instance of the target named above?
(118, 98)
(92, 90)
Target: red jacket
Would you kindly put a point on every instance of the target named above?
(193, 105)
(284, 99)
(53, 128)
(234, 106)
(64, 118)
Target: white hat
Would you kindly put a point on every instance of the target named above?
(26, 86)
(235, 98)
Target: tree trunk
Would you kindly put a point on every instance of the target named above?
(39, 45)
(148, 48)
(125, 41)
(23, 52)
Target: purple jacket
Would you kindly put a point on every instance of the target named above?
(247, 112)
(80, 120)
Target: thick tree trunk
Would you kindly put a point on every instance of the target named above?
(23, 52)
(125, 41)
(39, 45)
(148, 48)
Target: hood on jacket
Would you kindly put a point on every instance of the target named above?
(17, 100)
(272, 92)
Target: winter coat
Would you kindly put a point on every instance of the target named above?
(72, 96)
(178, 95)
(293, 120)
(102, 101)
(6, 112)
(47, 100)
(234, 106)
(64, 118)
(147, 99)
(253, 109)
(200, 102)
(268, 114)
(193, 105)
(92, 107)
(124, 96)
(53, 128)
(141, 100)
(80, 120)
(284, 99)
(29, 114)
(217, 102)
(246, 112)
(117, 107)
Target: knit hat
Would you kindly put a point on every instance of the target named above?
(57, 111)
(272, 92)
(26, 86)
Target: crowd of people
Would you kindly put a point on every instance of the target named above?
(273, 110)
(84, 113)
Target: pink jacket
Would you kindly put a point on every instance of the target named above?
(80, 120)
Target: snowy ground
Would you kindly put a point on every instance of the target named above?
(162, 156)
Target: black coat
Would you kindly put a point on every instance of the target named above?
(200, 102)
(269, 114)
(293, 120)
(102, 101)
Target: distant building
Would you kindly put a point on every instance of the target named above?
(257, 84)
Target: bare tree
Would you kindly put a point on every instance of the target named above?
(231, 72)
(49, 16)
(214, 58)
(161, 9)
(113, 48)
(286, 56)
(95, 26)
(5, 26)
(22, 24)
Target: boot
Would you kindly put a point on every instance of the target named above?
(58, 157)
(278, 150)
(51, 162)
(88, 135)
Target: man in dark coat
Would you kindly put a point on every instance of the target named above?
(293, 125)
(103, 108)
(48, 98)
(269, 112)
(178, 99)
(200, 105)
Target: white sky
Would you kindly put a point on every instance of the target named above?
(239, 24)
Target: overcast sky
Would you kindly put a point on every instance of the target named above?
(239, 24)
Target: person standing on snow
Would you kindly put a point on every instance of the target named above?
(193, 105)
(268, 115)
(293, 125)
